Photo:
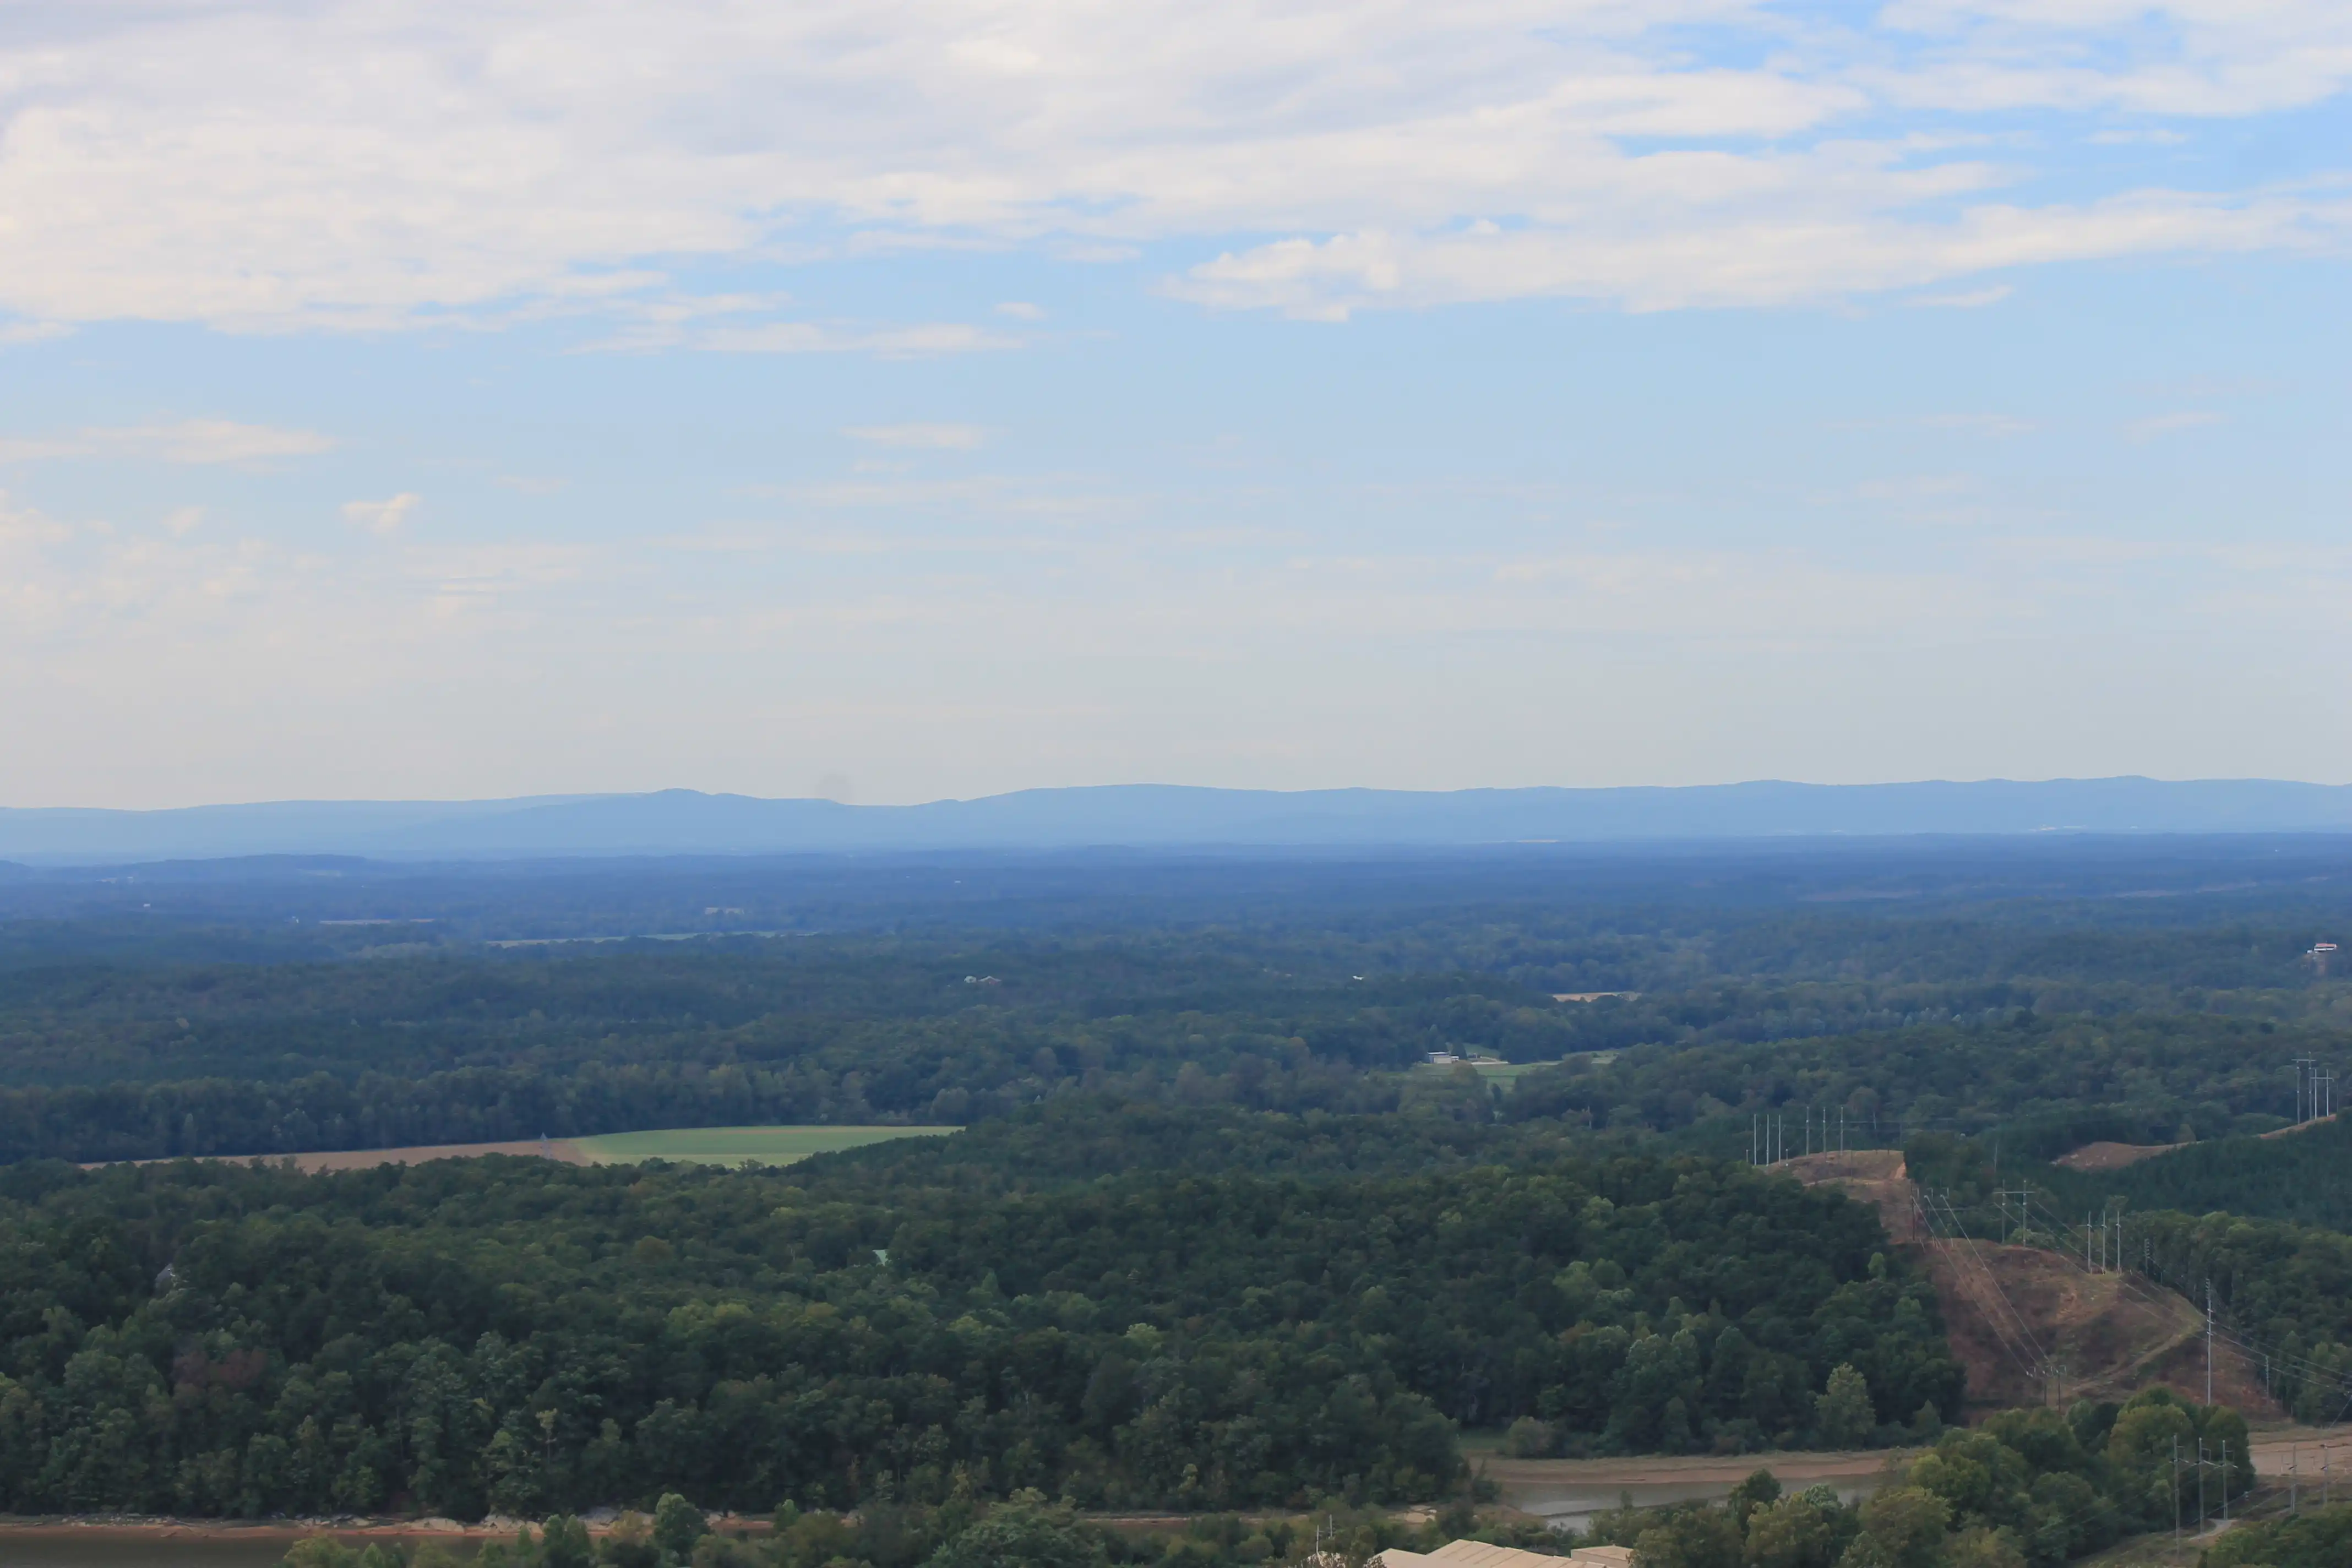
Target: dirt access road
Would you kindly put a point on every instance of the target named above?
(1795, 1470)
(1568, 1492)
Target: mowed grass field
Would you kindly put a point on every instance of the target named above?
(1505, 1073)
(738, 1145)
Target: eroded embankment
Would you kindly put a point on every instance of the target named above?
(2031, 1326)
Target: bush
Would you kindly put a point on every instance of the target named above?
(1528, 1438)
(1022, 1534)
(1845, 1417)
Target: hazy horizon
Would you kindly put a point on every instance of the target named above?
(1147, 816)
(1140, 784)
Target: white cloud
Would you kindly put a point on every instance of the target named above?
(188, 441)
(24, 526)
(2166, 424)
(1021, 309)
(380, 516)
(941, 438)
(181, 522)
(1750, 261)
(351, 165)
(1973, 299)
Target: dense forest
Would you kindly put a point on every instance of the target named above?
(505, 1334)
(1217, 1236)
(2028, 1487)
(116, 1060)
(2179, 1075)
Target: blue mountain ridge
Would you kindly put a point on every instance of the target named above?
(1167, 815)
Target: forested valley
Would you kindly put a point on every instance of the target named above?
(1218, 1235)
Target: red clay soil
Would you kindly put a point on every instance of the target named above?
(560, 1149)
(2114, 1156)
(2111, 1156)
(2291, 1131)
(2031, 1326)
(1874, 1177)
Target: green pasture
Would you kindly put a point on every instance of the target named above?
(1501, 1076)
(741, 1145)
(1505, 1073)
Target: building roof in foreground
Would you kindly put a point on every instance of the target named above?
(1478, 1554)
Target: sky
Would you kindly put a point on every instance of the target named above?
(899, 399)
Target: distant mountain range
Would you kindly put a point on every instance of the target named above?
(674, 821)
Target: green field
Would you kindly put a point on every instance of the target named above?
(741, 1145)
(1505, 1073)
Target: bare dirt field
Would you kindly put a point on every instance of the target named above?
(1665, 1470)
(2300, 1127)
(2311, 1451)
(2031, 1325)
(2111, 1156)
(1874, 1177)
(561, 1149)
(694, 1145)
(1568, 1494)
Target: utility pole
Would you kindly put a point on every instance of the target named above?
(2306, 1070)
(2201, 1483)
(2209, 1356)
(2003, 1198)
(2025, 1196)
(2176, 1491)
(2225, 1483)
(2294, 1479)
